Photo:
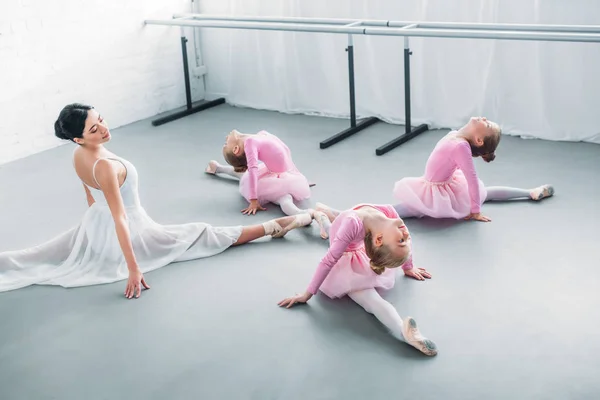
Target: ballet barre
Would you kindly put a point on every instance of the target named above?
(350, 27)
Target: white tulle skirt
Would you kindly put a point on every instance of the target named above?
(90, 254)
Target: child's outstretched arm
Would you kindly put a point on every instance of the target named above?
(349, 230)
(464, 159)
(408, 267)
(419, 274)
(252, 159)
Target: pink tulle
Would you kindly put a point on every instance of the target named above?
(274, 185)
(353, 272)
(448, 199)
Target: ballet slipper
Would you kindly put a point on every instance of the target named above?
(322, 220)
(413, 336)
(300, 220)
(325, 210)
(542, 192)
(211, 168)
(271, 227)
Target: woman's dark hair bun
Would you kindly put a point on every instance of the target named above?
(71, 121)
(58, 131)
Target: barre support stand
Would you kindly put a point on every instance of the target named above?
(190, 109)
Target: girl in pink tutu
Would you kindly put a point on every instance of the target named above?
(450, 187)
(264, 166)
(367, 243)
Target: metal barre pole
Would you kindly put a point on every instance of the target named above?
(387, 31)
(274, 26)
(508, 27)
(304, 20)
(485, 34)
(422, 24)
(564, 33)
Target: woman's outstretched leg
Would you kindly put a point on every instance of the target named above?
(276, 228)
(405, 331)
(504, 193)
(214, 168)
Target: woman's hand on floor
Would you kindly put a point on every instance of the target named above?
(134, 284)
(418, 273)
(299, 298)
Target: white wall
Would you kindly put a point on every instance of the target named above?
(93, 51)
(545, 90)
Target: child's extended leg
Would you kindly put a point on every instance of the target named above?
(286, 203)
(214, 168)
(503, 193)
(406, 330)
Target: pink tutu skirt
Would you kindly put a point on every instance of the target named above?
(272, 186)
(448, 199)
(353, 272)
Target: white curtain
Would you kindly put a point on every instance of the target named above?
(546, 90)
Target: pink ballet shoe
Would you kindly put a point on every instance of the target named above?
(211, 168)
(413, 336)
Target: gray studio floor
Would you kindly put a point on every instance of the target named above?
(513, 304)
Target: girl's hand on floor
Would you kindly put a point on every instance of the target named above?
(290, 301)
(478, 217)
(418, 273)
(253, 207)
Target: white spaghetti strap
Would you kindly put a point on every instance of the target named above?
(108, 158)
(94, 171)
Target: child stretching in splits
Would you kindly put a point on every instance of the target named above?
(367, 243)
(450, 187)
(275, 180)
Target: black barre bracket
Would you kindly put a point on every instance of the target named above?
(409, 132)
(190, 109)
(354, 127)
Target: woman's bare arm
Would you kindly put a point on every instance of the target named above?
(108, 180)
